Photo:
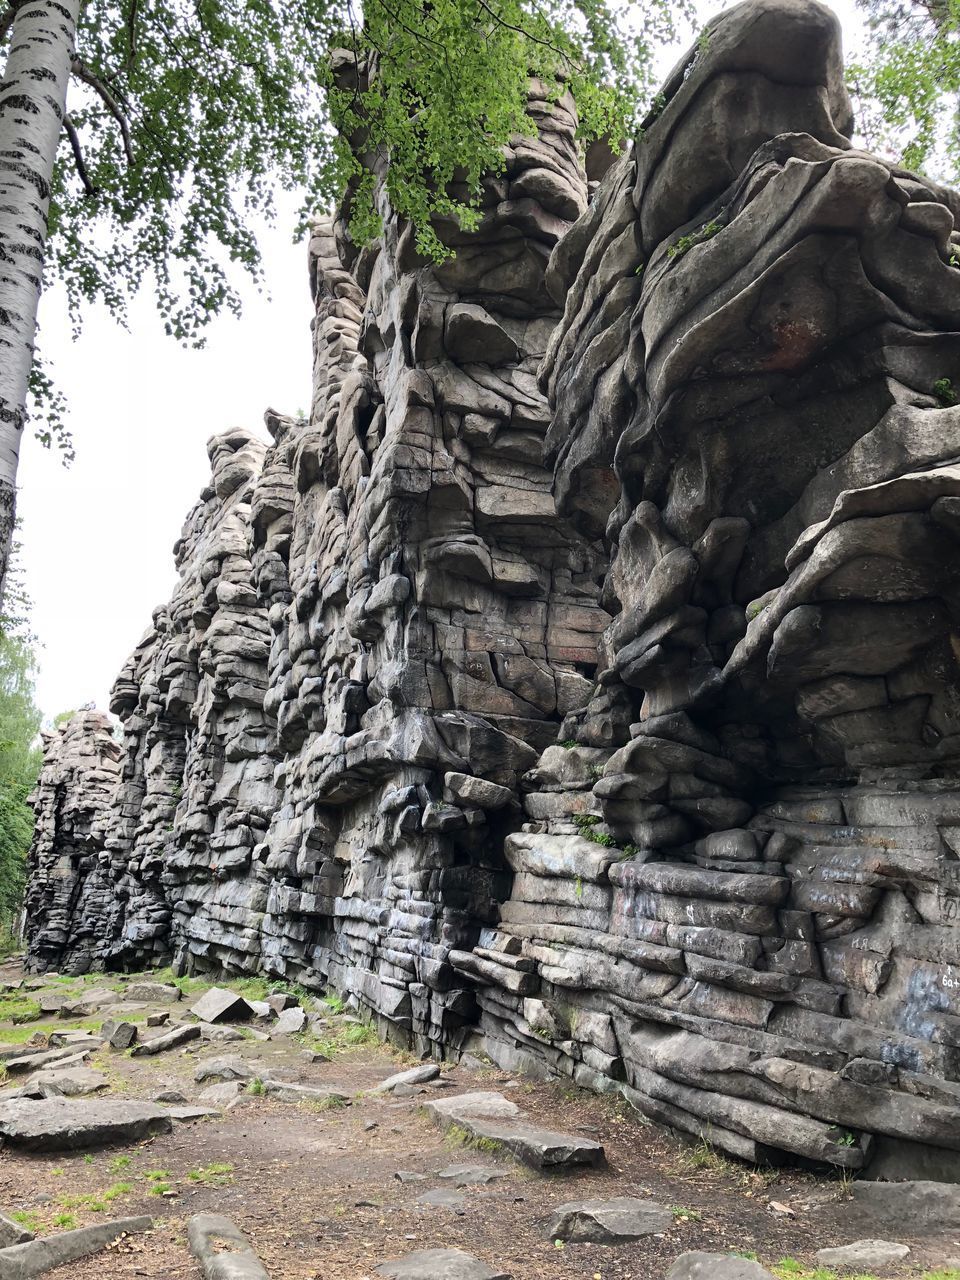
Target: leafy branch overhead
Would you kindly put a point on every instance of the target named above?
(185, 117)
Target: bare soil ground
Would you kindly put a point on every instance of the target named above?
(317, 1190)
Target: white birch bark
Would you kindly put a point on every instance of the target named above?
(32, 97)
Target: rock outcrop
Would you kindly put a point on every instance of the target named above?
(608, 723)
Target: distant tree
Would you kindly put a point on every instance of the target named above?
(184, 117)
(908, 83)
(20, 754)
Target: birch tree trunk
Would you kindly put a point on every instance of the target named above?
(32, 97)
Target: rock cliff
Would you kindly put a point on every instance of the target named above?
(580, 681)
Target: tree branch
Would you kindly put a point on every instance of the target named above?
(88, 188)
(83, 72)
(132, 35)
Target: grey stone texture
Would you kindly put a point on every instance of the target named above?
(608, 1221)
(35, 1257)
(70, 1124)
(864, 1255)
(577, 685)
(439, 1264)
(221, 1248)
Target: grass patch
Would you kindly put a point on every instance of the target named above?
(19, 1009)
(356, 1034)
(27, 1218)
(256, 1087)
(119, 1163)
(212, 1175)
(333, 1103)
(680, 1214)
(66, 1221)
(21, 1034)
(686, 243)
(791, 1268)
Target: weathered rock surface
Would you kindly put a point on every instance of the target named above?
(68, 1124)
(12, 1232)
(415, 1075)
(221, 1005)
(493, 1119)
(919, 1205)
(864, 1255)
(439, 1264)
(608, 1221)
(578, 683)
(221, 1248)
(23, 1261)
(716, 1266)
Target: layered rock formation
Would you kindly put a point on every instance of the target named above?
(608, 724)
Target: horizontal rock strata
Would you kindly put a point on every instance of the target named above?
(578, 683)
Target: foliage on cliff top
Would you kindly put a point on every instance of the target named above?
(185, 116)
(908, 83)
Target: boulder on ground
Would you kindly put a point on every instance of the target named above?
(864, 1255)
(70, 1124)
(608, 1221)
(416, 1075)
(219, 1004)
(119, 1035)
(716, 1266)
(439, 1264)
(153, 992)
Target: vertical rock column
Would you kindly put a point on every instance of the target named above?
(71, 913)
(434, 619)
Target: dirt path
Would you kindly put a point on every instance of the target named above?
(317, 1190)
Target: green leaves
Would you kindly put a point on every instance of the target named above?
(908, 85)
(227, 101)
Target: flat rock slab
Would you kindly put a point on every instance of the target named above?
(716, 1266)
(284, 1092)
(490, 1117)
(21, 1261)
(152, 993)
(608, 1221)
(468, 1175)
(416, 1075)
(221, 1005)
(71, 1082)
(221, 1248)
(910, 1204)
(864, 1255)
(75, 1040)
(183, 1114)
(439, 1264)
(169, 1040)
(70, 1124)
(443, 1198)
(43, 1058)
(217, 1034)
(230, 1067)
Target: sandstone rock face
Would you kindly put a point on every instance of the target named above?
(604, 719)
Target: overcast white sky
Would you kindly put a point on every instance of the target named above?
(97, 537)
